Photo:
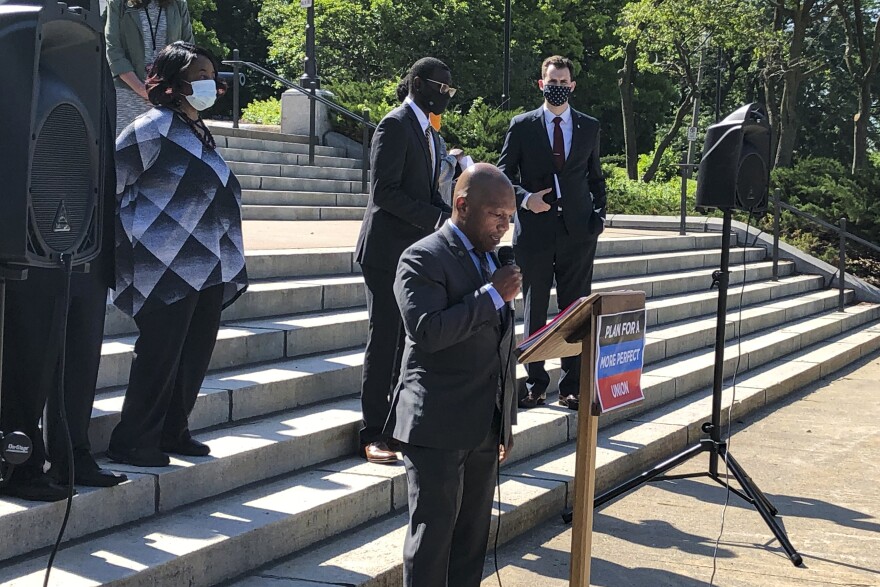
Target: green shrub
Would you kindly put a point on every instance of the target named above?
(626, 196)
(379, 98)
(479, 131)
(266, 111)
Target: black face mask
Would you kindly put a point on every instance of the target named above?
(435, 101)
(556, 95)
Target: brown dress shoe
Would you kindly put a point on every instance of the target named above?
(379, 453)
(571, 402)
(531, 400)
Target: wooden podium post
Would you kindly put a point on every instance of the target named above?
(574, 332)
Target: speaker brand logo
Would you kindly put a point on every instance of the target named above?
(18, 449)
(61, 224)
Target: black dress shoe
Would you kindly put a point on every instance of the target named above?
(139, 457)
(189, 447)
(531, 400)
(571, 402)
(87, 472)
(38, 487)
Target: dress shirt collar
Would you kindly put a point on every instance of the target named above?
(464, 239)
(423, 118)
(549, 116)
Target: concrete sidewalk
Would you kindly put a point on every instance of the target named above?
(320, 234)
(817, 458)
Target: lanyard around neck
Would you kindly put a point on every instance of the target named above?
(153, 32)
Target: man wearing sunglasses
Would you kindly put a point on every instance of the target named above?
(552, 157)
(405, 205)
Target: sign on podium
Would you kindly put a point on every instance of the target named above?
(608, 331)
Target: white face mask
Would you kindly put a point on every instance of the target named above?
(204, 94)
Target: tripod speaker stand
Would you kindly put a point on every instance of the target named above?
(733, 174)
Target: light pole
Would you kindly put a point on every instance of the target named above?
(311, 65)
(505, 97)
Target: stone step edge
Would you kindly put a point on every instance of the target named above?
(678, 404)
(356, 559)
(329, 291)
(247, 342)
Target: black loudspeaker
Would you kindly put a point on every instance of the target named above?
(51, 141)
(735, 168)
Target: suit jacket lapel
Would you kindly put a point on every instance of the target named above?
(543, 138)
(576, 134)
(417, 128)
(436, 169)
(463, 256)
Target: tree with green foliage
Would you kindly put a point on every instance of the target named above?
(862, 56)
(671, 37)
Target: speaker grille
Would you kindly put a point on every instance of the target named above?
(61, 181)
(751, 181)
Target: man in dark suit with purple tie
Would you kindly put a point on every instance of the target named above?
(552, 157)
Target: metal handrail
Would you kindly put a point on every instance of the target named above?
(840, 229)
(329, 103)
(236, 63)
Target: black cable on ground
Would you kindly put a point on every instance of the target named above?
(67, 263)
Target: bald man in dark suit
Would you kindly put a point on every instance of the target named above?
(454, 406)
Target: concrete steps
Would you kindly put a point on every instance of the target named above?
(278, 158)
(279, 184)
(210, 541)
(260, 212)
(280, 413)
(284, 199)
(298, 171)
(249, 450)
(539, 487)
(309, 280)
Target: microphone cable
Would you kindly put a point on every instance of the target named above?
(505, 373)
(67, 264)
(504, 380)
(732, 400)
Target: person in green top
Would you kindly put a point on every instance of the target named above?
(135, 31)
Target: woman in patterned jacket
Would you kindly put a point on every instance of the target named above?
(179, 255)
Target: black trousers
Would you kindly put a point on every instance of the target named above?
(450, 510)
(570, 262)
(31, 361)
(172, 354)
(383, 353)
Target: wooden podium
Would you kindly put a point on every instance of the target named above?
(572, 333)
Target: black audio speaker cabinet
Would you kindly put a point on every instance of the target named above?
(735, 167)
(51, 140)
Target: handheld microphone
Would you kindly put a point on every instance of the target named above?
(506, 257)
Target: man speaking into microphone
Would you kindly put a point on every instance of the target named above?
(455, 403)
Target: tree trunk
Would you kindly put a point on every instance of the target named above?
(860, 128)
(772, 104)
(789, 119)
(683, 108)
(626, 85)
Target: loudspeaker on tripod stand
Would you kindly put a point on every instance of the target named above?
(52, 164)
(735, 167)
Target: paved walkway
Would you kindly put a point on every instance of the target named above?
(816, 456)
(303, 234)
